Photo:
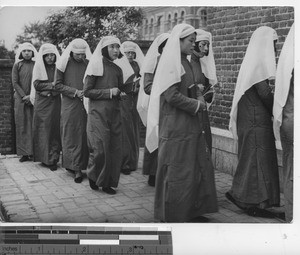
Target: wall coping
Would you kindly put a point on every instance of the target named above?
(227, 134)
(6, 63)
(221, 132)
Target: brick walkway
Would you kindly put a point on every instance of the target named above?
(30, 192)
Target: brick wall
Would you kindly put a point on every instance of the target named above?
(232, 28)
(7, 128)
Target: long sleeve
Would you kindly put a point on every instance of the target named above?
(178, 100)
(120, 80)
(148, 81)
(60, 87)
(15, 81)
(265, 93)
(90, 92)
(43, 86)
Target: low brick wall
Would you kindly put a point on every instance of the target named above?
(7, 128)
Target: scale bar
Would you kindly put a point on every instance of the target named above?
(99, 242)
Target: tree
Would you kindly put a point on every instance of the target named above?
(6, 54)
(35, 33)
(91, 23)
(88, 23)
(64, 26)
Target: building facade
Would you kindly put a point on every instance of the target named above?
(159, 20)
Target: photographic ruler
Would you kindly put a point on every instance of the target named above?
(38, 240)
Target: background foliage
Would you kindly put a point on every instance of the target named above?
(88, 23)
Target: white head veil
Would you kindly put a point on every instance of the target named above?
(148, 66)
(150, 60)
(259, 64)
(169, 72)
(39, 70)
(282, 82)
(208, 65)
(95, 65)
(78, 46)
(124, 63)
(131, 46)
(25, 46)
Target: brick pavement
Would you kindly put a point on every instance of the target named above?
(30, 192)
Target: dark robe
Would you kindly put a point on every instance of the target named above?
(150, 159)
(201, 79)
(73, 116)
(21, 80)
(185, 185)
(104, 127)
(46, 121)
(287, 142)
(130, 125)
(256, 180)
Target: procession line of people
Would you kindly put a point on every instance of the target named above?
(89, 106)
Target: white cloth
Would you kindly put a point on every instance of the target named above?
(25, 46)
(95, 65)
(131, 46)
(148, 66)
(39, 69)
(124, 64)
(169, 72)
(282, 81)
(78, 46)
(208, 65)
(150, 61)
(258, 65)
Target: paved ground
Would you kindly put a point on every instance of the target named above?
(30, 192)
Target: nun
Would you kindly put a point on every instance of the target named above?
(184, 185)
(69, 82)
(47, 103)
(255, 185)
(102, 81)
(23, 109)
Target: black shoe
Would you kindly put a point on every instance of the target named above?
(257, 212)
(24, 158)
(78, 178)
(200, 219)
(109, 191)
(93, 185)
(53, 167)
(70, 170)
(151, 180)
(232, 200)
(125, 171)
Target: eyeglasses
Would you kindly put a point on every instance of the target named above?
(130, 53)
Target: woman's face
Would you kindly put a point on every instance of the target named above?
(79, 57)
(187, 44)
(113, 51)
(27, 54)
(49, 58)
(203, 48)
(130, 55)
